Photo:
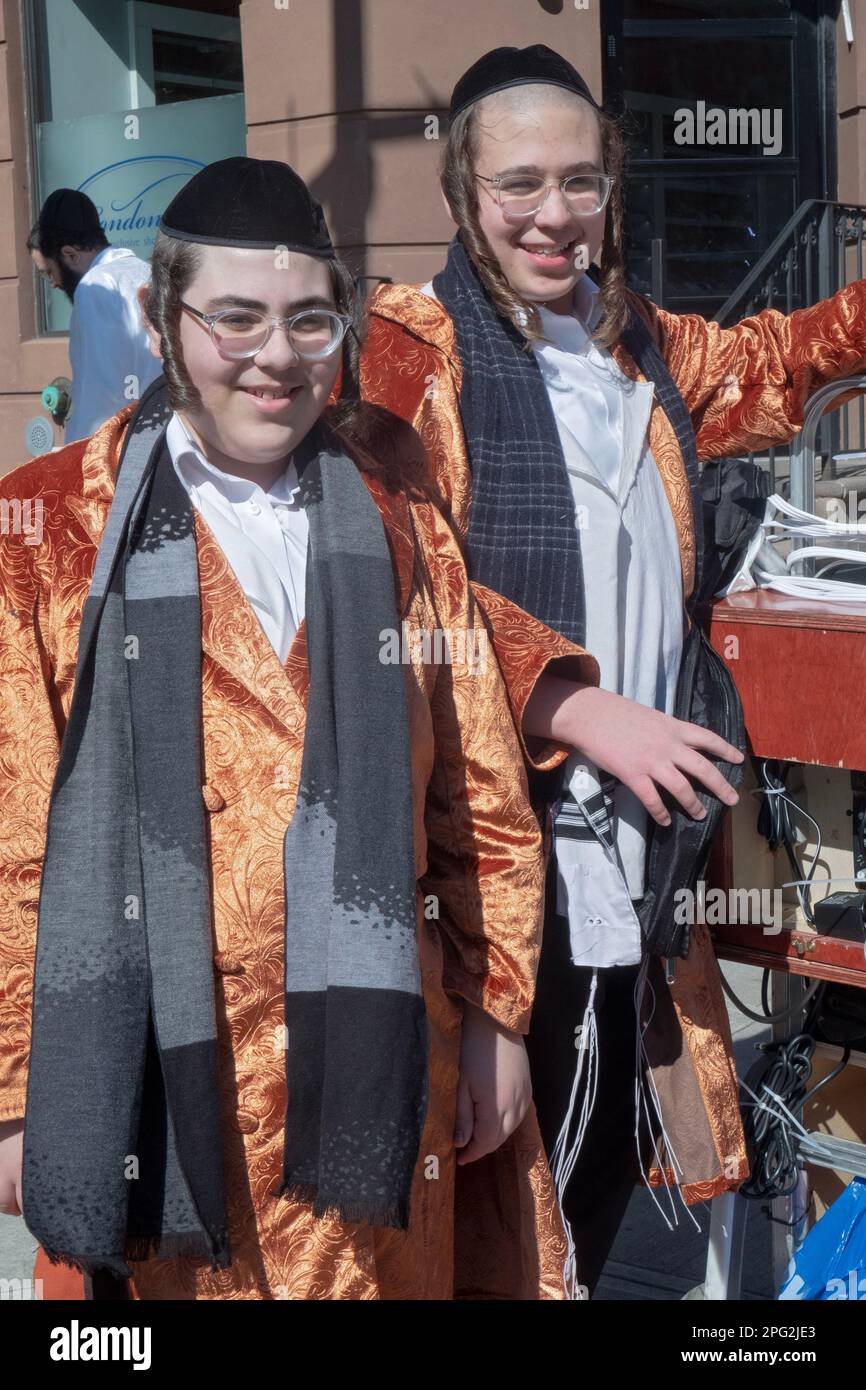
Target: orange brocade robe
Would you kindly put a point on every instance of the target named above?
(477, 846)
(745, 388)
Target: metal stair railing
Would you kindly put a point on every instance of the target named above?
(809, 260)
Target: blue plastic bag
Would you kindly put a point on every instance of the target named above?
(831, 1262)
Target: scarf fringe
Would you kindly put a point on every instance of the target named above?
(138, 1249)
(88, 1264)
(354, 1211)
(186, 1245)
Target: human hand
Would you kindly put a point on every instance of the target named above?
(644, 748)
(11, 1158)
(494, 1090)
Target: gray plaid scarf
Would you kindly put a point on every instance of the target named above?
(122, 1142)
(522, 538)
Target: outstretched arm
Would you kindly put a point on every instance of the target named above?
(746, 387)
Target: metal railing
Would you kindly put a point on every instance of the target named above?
(803, 450)
(817, 252)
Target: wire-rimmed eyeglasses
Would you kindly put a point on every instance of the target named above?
(313, 333)
(521, 195)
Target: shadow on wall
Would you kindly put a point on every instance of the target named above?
(347, 182)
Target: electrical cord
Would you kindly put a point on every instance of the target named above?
(768, 1017)
(776, 824)
(785, 1067)
(770, 1138)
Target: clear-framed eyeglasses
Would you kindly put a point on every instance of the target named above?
(313, 333)
(521, 195)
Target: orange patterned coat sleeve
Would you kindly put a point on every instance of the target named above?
(746, 387)
(526, 650)
(27, 766)
(485, 871)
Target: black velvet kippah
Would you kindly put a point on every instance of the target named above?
(69, 211)
(515, 67)
(248, 202)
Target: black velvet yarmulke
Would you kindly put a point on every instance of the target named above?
(514, 67)
(248, 202)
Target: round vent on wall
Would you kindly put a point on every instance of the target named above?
(38, 436)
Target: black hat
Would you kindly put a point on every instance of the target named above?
(515, 67)
(248, 202)
(71, 212)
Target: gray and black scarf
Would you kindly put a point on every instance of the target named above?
(122, 1142)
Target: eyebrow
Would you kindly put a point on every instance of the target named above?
(585, 167)
(236, 301)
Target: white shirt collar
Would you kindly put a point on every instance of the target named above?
(587, 302)
(571, 331)
(195, 469)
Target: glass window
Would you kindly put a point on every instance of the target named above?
(714, 157)
(673, 90)
(715, 229)
(186, 68)
(129, 100)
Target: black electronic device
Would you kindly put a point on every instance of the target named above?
(842, 915)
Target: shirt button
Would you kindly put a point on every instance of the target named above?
(255, 508)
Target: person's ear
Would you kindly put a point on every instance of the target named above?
(70, 255)
(152, 336)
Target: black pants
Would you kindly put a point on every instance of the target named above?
(607, 1168)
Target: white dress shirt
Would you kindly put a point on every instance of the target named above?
(633, 590)
(108, 348)
(263, 535)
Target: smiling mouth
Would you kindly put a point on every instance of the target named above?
(551, 251)
(271, 393)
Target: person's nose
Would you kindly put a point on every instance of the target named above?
(278, 355)
(555, 215)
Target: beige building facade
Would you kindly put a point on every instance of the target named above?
(126, 100)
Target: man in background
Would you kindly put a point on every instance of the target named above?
(108, 350)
